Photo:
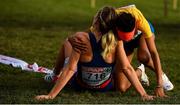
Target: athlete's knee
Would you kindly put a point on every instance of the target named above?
(143, 57)
(66, 44)
(67, 48)
(122, 88)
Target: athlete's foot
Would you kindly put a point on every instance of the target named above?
(144, 78)
(167, 85)
(50, 77)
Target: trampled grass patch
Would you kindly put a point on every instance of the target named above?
(33, 30)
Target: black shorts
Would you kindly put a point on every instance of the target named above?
(131, 45)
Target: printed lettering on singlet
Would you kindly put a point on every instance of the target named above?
(137, 34)
(94, 76)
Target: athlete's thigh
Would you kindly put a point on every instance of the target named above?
(129, 52)
(144, 55)
(67, 49)
(142, 49)
(130, 47)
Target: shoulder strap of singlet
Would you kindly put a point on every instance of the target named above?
(92, 41)
(96, 46)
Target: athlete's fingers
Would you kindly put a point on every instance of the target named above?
(80, 49)
(77, 41)
(77, 50)
(78, 44)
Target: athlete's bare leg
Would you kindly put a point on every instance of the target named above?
(64, 52)
(143, 54)
(121, 81)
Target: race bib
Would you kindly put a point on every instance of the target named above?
(94, 76)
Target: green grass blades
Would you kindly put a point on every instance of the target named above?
(33, 30)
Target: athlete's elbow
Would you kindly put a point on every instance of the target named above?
(72, 69)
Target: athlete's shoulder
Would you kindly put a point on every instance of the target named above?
(81, 35)
(78, 41)
(128, 9)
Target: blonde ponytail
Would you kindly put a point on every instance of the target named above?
(108, 43)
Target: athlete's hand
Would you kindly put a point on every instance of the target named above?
(78, 44)
(159, 92)
(44, 97)
(147, 97)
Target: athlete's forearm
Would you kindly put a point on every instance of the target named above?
(156, 60)
(157, 66)
(61, 82)
(131, 75)
(128, 69)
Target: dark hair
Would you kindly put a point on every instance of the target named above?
(125, 22)
(106, 18)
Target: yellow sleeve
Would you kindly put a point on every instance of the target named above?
(142, 24)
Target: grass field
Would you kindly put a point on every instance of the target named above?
(33, 30)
